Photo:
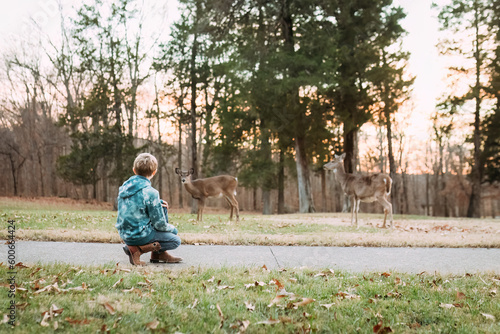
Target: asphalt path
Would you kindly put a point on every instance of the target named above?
(456, 261)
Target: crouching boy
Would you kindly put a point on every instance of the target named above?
(143, 217)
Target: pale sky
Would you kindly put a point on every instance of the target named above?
(420, 23)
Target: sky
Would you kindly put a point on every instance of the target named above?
(420, 23)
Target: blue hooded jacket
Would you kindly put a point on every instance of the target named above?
(140, 213)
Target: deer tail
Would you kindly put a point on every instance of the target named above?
(388, 185)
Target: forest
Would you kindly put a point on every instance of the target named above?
(263, 90)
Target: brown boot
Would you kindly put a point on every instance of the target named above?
(135, 252)
(164, 257)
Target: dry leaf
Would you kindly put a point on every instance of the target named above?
(305, 301)
(276, 300)
(249, 306)
(448, 306)
(109, 308)
(346, 295)
(44, 322)
(460, 295)
(265, 268)
(153, 324)
(77, 321)
(488, 316)
(118, 282)
(379, 329)
(278, 284)
(221, 315)
(385, 274)
(327, 306)
(225, 287)
(269, 322)
(194, 304)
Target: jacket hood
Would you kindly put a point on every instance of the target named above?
(133, 185)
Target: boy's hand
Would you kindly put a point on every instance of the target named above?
(164, 204)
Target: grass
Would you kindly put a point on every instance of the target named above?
(64, 220)
(252, 300)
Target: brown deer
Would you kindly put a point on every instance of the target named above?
(217, 186)
(362, 188)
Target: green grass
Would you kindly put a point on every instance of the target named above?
(55, 220)
(187, 301)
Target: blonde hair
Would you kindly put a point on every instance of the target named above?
(145, 164)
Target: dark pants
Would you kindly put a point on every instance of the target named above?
(167, 240)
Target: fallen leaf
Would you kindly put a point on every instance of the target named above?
(117, 282)
(44, 322)
(77, 321)
(109, 308)
(448, 306)
(379, 329)
(250, 307)
(21, 265)
(278, 284)
(225, 287)
(327, 306)
(488, 316)
(305, 301)
(346, 295)
(240, 325)
(460, 295)
(265, 268)
(385, 274)
(153, 324)
(194, 304)
(276, 300)
(221, 315)
(269, 322)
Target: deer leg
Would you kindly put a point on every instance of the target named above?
(387, 209)
(231, 206)
(353, 205)
(201, 206)
(357, 209)
(234, 204)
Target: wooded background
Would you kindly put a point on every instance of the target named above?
(263, 90)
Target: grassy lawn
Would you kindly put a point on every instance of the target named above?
(57, 220)
(252, 300)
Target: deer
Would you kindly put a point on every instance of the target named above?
(362, 188)
(216, 186)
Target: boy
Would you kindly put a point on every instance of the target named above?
(143, 218)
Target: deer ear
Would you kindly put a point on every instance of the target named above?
(177, 170)
(342, 156)
(191, 171)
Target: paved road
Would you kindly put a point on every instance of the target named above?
(354, 259)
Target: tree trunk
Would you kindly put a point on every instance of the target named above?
(281, 183)
(474, 209)
(306, 204)
(194, 147)
(350, 149)
(323, 190)
(179, 162)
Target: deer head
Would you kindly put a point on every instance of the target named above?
(336, 162)
(185, 175)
